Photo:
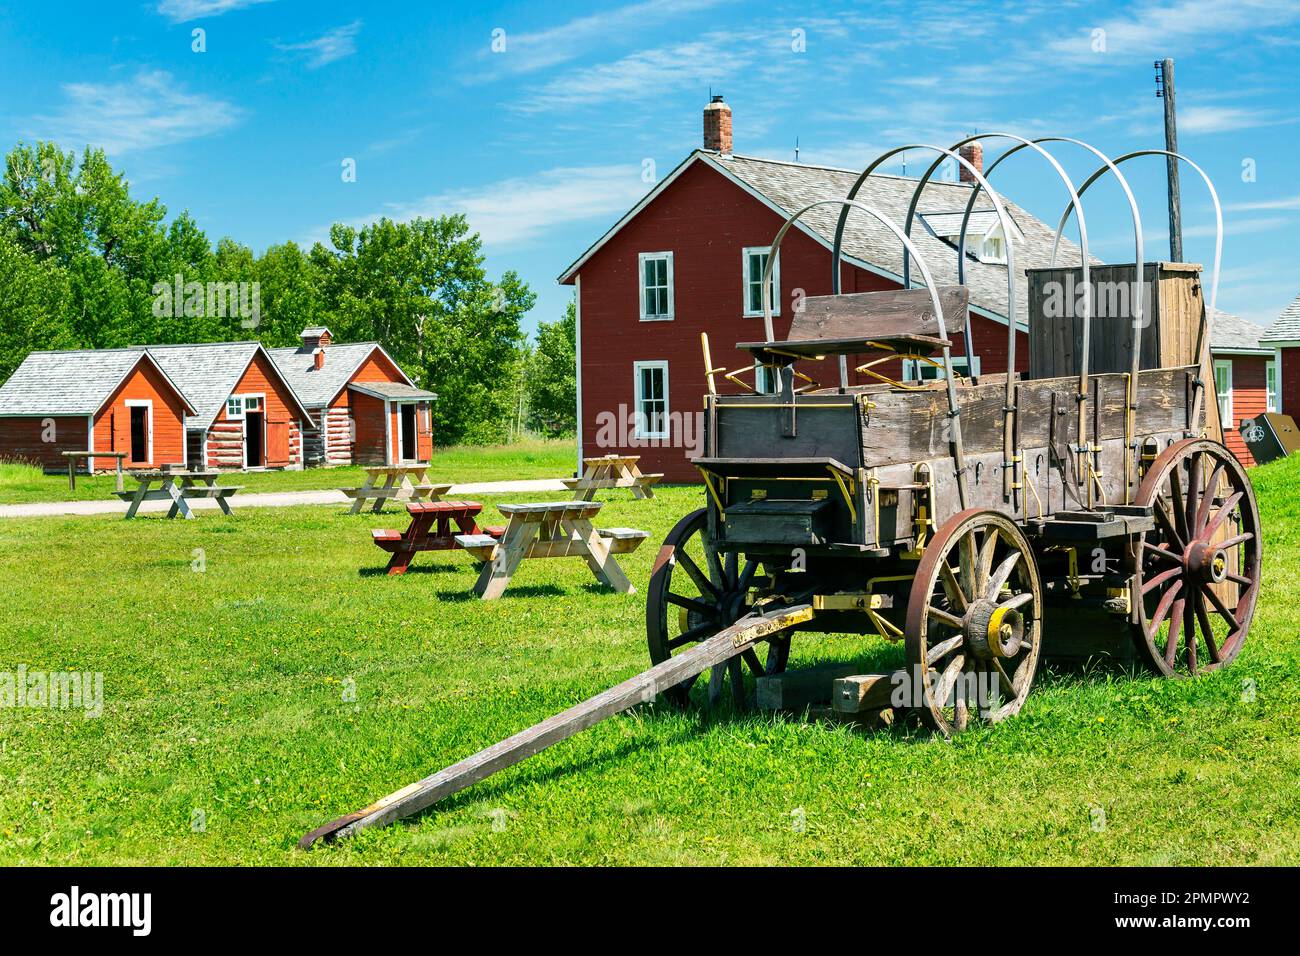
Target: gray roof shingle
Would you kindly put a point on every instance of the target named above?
(209, 372)
(318, 387)
(1231, 333)
(393, 390)
(66, 383)
(1287, 326)
(794, 185)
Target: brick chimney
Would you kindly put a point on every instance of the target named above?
(717, 126)
(318, 357)
(973, 153)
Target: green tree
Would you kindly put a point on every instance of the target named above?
(551, 380)
(33, 303)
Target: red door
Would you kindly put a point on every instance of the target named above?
(277, 444)
(424, 432)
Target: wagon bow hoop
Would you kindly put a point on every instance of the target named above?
(910, 249)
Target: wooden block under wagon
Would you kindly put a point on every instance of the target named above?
(866, 692)
(794, 690)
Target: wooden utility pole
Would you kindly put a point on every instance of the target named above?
(1165, 90)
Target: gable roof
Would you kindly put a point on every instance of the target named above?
(395, 391)
(318, 387)
(75, 382)
(1287, 326)
(787, 187)
(1229, 333)
(210, 371)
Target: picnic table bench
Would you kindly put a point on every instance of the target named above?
(430, 530)
(611, 471)
(179, 487)
(73, 456)
(557, 529)
(398, 480)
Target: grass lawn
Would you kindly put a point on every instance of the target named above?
(460, 464)
(224, 693)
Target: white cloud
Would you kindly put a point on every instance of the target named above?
(515, 211)
(1222, 119)
(526, 52)
(148, 111)
(330, 46)
(178, 11)
(1257, 205)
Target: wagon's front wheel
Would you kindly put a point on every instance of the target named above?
(974, 622)
(694, 593)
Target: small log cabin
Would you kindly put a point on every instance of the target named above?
(247, 414)
(106, 400)
(1283, 337)
(363, 408)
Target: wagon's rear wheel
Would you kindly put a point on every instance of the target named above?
(974, 622)
(1197, 574)
(695, 592)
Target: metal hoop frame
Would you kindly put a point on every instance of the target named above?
(954, 409)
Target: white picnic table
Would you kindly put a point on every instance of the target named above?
(555, 529)
(408, 482)
(611, 471)
(178, 487)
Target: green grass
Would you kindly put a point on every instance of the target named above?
(224, 693)
(533, 458)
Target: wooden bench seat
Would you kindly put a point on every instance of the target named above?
(623, 540)
(224, 491)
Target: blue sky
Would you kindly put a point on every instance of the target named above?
(543, 143)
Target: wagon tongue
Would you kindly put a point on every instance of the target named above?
(643, 688)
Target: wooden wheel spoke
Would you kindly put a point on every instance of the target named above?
(1003, 676)
(1221, 515)
(1177, 501)
(1162, 552)
(1017, 600)
(1193, 492)
(1162, 609)
(943, 648)
(1162, 515)
(948, 680)
(1238, 579)
(1175, 625)
(1222, 608)
(696, 574)
(1002, 575)
(1207, 630)
(952, 620)
(755, 665)
(692, 604)
(985, 567)
(746, 577)
(1189, 633)
(1207, 498)
(952, 587)
(692, 636)
(1152, 583)
(1236, 540)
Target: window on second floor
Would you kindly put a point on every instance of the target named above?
(754, 259)
(656, 286)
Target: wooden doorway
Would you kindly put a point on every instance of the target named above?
(254, 439)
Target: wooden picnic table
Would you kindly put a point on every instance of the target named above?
(411, 480)
(178, 487)
(611, 471)
(557, 529)
(73, 456)
(430, 530)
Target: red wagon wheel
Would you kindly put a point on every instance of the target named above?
(1197, 574)
(695, 592)
(974, 622)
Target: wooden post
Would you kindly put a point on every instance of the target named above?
(1165, 89)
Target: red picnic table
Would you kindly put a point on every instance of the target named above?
(430, 530)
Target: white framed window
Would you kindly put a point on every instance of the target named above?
(237, 406)
(655, 271)
(753, 262)
(994, 248)
(1223, 388)
(915, 370)
(651, 395)
(1270, 385)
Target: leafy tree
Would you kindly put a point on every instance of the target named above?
(33, 302)
(551, 377)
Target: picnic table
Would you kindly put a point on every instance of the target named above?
(430, 530)
(73, 456)
(411, 480)
(611, 471)
(179, 487)
(557, 529)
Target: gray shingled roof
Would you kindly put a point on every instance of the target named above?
(1287, 326)
(393, 390)
(74, 382)
(793, 185)
(209, 371)
(1230, 333)
(317, 388)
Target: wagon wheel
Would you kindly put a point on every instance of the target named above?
(1206, 540)
(695, 592)
(974, 622)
